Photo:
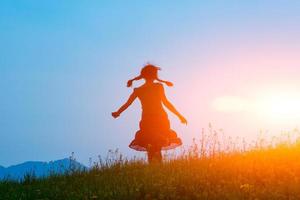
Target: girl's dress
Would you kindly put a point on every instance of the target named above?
(154, 125)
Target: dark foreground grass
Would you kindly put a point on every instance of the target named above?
(260, 173)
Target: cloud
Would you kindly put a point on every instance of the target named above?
(230, 104)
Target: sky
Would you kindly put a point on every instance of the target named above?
(64, 67)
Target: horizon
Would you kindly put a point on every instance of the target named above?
(64, 68)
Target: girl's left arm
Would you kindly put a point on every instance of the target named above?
(171, 107)
(131, 98)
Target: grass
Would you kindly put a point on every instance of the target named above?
(210, 169)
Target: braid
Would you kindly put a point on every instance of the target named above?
(129, 82)
(168, 83)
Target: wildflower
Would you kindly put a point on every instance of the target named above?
(246, 187)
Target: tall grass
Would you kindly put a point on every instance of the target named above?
(214, 167)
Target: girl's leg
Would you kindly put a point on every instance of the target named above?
(158, 156)
(150, 153)
(150, 156)
(154, 154)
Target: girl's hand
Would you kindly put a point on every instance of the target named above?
(115, 114)
(183, 120)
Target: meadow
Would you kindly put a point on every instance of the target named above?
(212, 168)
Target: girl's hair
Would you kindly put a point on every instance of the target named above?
(149, 71)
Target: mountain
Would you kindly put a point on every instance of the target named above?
(2, 170)
(39, 169)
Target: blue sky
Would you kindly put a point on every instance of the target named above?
(64, 66)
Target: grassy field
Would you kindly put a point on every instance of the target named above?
(206, 171)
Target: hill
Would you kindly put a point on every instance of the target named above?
(258, 174)
(38, 169)
(208, 170)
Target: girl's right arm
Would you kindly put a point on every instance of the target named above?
(131, 98)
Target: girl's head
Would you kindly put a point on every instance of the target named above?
(149, 72)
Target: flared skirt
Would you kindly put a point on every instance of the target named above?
(155, 131)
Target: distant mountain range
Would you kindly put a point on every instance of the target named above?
(39, 169)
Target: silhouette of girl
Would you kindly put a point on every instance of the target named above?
(155, 133)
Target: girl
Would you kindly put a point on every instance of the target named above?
(155, 133)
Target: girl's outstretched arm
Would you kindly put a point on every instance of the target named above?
(171, 107)
(131, 98)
